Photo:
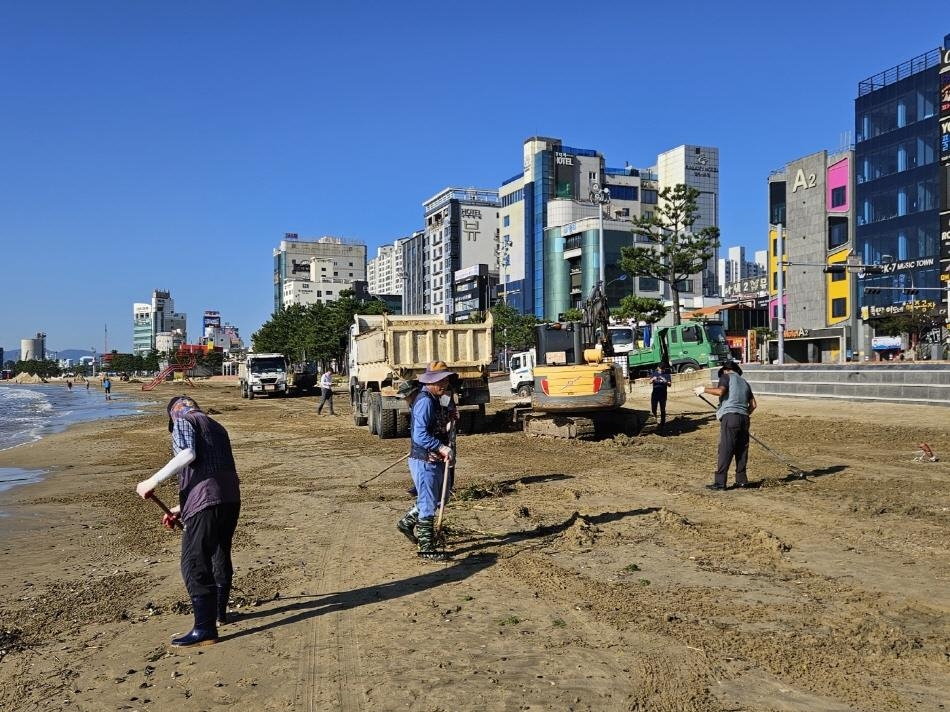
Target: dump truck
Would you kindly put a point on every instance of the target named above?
(687, 347)
(263, 375)
(386, 350)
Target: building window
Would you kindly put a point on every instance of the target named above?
(838, 276)
(649, 284)
(839, 196)
(839, 307)
(684, 285)
(650, 196)
(506, 221)
(837, 232)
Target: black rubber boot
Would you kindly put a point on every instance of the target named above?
(407, 524)
(205, 632)
(224, 595)
(425, 534)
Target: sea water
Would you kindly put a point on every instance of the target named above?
(30, 412)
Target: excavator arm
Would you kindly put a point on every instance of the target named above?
(597, 320)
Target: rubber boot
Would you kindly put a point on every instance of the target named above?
(205, 632)
(425, 535)
(224, 595)
(407, 524)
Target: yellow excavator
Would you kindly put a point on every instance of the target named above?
(578, 391)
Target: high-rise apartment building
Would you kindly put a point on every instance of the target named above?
(384, 273)
(149, 319)
(735, 267)
(461, 230)
(311, 271)
(899, 143)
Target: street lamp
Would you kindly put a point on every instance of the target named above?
(600, 196)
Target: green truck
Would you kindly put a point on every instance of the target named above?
(688, 347)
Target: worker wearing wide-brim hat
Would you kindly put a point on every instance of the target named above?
(409, 391)
(429, 451)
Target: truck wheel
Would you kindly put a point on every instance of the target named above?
(403, 425)
(243, 392)
(373, 418)
(689, 367)
(525, 390)
(387, 422)
(250, 393)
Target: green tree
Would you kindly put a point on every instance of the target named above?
(513, 329)
(640, 309)
(317, 332)
(674, 251)
(574, 314)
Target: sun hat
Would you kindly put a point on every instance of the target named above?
(177, 407)
(434, 375)
(731, 366)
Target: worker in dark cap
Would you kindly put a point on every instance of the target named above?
(209, 505)
(736, 404)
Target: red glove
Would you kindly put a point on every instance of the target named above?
(170, 521)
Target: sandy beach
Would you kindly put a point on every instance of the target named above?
(585, 575)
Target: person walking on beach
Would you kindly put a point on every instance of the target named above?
(107, 387)
(326, 391)
(736, 404)
(661, 380)
(209, 505)
(429, 452)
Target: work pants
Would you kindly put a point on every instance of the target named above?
(326, 397)
(427, 477)
(658, 400)
(206, 549)
(733, 443)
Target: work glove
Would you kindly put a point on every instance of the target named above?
(170, 521)
(446, 452)
(699, 390)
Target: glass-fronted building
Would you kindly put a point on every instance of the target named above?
(898, 186)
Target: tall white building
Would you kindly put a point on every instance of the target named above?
(697, 167)
(461, 230)
(384, 273)
(157, 317)
(311, 271)
(734, 267)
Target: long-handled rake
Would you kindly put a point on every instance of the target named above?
(797, 471)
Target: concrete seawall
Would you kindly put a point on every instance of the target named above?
(912, 383)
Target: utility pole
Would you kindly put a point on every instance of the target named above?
(600, 197)
(780, 288)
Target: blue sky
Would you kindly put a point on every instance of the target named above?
(171, 145)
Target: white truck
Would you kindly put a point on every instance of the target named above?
(387, 350)
(263, 375)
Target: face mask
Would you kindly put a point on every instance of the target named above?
(445, 401)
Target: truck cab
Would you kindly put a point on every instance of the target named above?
(263, 375)
(521, 373)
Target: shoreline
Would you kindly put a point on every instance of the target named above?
(24, 461)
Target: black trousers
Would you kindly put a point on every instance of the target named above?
(326, 397)
(206, 549)
(658, 399)
(733, 443)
